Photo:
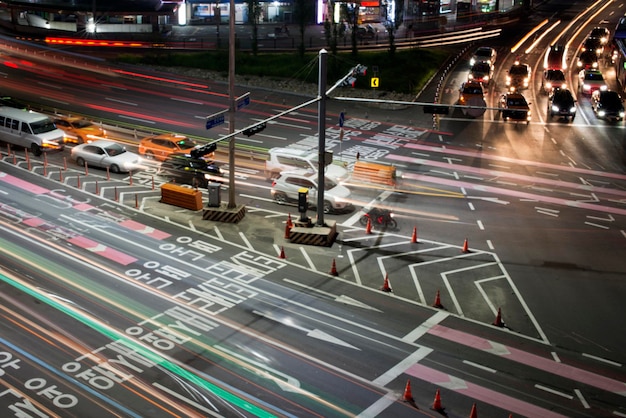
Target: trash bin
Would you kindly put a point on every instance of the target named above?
(214, 195)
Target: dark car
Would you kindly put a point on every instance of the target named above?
(481, 72)
(553, 79)
(554, 59)
(513, 106)
(607, 105)
(601, 33)
(593, 44)
(518, 77)
(11, 102)
(185, 169)
(588, 60)
(562, 104)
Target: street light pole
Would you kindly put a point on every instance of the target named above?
(231, 105)
(321, 144)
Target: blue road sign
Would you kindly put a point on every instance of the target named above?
(243, 101)
(341, 119)
(214, 120)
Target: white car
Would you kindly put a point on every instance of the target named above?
(590, 81)
(286, 186)
(105, 153)
(288, 159)
(484, 54)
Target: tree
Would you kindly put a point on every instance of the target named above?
(254, 13)
(303, 13)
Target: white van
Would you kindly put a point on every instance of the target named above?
(31, 130)
(282, 159)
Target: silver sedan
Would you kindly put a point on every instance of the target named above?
(106, 154)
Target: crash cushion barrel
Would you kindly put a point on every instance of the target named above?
(184, 197)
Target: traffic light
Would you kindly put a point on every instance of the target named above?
(203, 150)
(350, 81)
(361, 70)
(255, 129)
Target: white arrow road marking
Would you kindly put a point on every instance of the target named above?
(98, 248)
(337, 298)
(284, 381)
(314, 333)
(498, 349)
(589, 197)
(489, 199)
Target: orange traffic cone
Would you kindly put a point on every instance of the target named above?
(498, 322)
(437, 403)
(333, 269)
(414, 235)
(408, 396)
(437, 303)
(474, 414)
(287, 231)
(385, 287)
(465, 247)
(368, 228)
(282, 253)
(289, 221)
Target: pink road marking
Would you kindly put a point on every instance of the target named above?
(23, 184)
(83, 207)
(503, 174)
(533, 360)
(144, 229)
(480, 154)
(480, 393)
(514, 193)
(103, 250)
(34, 222)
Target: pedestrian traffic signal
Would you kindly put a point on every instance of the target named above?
(254, 129)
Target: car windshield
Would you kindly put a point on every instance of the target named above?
(516, 101)
(43, 126)
(594, 77)
(555, 75)
(519, 70)
(481, 68)
(186, 143)
(114, 149)
(472, 90)
(483, 53)
(611, 100)
(82, 123)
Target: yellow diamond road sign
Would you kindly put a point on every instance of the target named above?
(374, 83)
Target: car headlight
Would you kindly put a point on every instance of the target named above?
(586, 86)
(621, 114)
(601, 113)
(603, 88)
(472, 61)
(555, 108)
(471, 76)
(486, 78)
(548, 85)
(563, 86)
(572, 109)
(594, 65)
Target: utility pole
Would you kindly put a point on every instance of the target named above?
(231, 105)
(321, 145)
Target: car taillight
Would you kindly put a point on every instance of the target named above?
(274, 183)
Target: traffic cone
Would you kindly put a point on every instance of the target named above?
(437, 403)
(368, 228)
(437, 303)
(289, 221)
(498, 322)
(287, 231)
(333, 269)
(474, 414)
(282, 253)
(408, 396)
(414, 235)
(465, 247)
(385, 287)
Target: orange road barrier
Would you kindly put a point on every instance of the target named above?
(465, 247)
(115, 193)
(287, 230)
(282, 253)
(86, 169)
(437, 303)
(408, 396)
(368, 228)
(97, 188)
(289, 221)
(474, 413)
(385, 287)
(498, 322)
(437, 403)
(333, 269)
(414, 235)
(108, 174)
(136, 201)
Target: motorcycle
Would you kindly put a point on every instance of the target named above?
(379, 217)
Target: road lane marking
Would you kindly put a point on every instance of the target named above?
(479, 366)
(399, 368)
(425, 326)
(553, 391)
(582, 398)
